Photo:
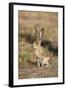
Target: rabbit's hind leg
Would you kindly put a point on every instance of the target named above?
(45, 62)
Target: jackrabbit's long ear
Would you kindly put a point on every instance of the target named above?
(41, 33)
(35, 31)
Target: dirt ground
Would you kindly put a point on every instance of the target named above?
(32, 71)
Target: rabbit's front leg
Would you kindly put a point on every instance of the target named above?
(38, 63)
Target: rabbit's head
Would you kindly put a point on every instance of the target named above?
(36, 44)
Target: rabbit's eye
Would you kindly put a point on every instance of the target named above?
(36, 42)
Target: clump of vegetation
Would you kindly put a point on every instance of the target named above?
(24, 57)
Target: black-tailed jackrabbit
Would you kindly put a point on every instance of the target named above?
(41, 53)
